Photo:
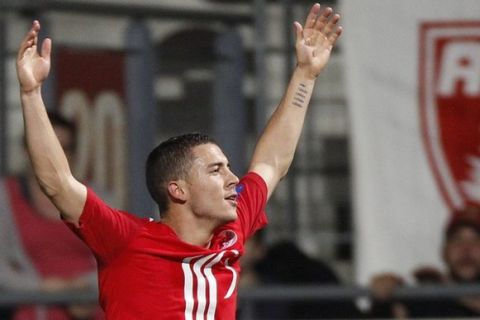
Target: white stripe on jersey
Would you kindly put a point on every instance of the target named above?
(188, 288)
(212, 285)
(207, 263)
(234, 277)
(201, 288)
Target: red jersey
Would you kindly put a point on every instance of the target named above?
(147, 272)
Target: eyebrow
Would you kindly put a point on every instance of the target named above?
(220, 164)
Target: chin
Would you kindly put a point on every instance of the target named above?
(231, 217)
(225, 219)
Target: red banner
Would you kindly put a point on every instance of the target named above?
(90, 90)
(450, 107)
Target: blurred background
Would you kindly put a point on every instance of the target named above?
(387, 158)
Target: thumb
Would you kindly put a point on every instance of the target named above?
(46, 49)
(298, 30)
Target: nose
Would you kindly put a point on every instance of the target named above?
(232, 179)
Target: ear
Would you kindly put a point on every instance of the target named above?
(177, 191)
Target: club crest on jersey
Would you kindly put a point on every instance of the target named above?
(229, 238)
(449, 96)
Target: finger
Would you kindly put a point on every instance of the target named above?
(298, 31)
(322, 20)
(23, 47)
(29, 39)
(330, 26)
(312, 16)
(30, 51)
(26, 43)
(334, 36)
(36, 28)
(46, 49)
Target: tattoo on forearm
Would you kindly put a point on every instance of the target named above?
(300, 96)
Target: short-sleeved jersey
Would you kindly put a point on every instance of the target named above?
(147, 272)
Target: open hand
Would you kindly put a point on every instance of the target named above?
(32, 67)
(316, 38)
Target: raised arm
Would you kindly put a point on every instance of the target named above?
(47, 157)
(275, 149)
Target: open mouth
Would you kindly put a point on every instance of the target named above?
(232, 199)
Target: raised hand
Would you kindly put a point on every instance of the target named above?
(32, 67)
(316, 38)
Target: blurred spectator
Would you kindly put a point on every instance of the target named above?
(285, 264)
(37, 252)
(461, 254)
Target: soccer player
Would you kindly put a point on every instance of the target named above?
(185, 266)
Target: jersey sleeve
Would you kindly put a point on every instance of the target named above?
(252, 199)
(105, 230)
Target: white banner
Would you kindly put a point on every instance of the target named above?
(413, 86)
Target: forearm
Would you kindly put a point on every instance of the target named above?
(276, 146)
(47, 156)
(314, 42)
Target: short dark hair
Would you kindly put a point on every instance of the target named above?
(57, 119)
(171, 160)
(468, 217)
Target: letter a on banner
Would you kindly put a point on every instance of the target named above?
(449, 73)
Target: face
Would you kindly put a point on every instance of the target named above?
(211, 185)
(462, 254)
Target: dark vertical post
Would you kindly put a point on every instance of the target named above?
(260, 66)
(141, 112)
(228, 99)
(292, 174)
(3, 97)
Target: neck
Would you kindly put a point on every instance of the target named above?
(189, 229)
